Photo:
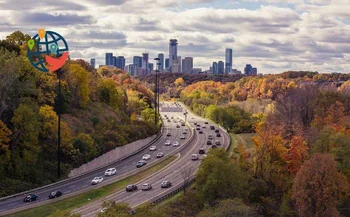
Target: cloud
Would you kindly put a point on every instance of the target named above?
(46, 19)
(53, 5)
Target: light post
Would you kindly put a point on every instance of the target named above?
(59, 102)
(156, 105)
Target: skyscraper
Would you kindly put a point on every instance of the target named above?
(145, 63)
(228, 61)
(132, 69)
(120, 62)
(215, 68)
(109, 59)
(220, 68)
(161, 61)
(93, 62)
(180, 63)
(114, 61)
(187, 65)
(150, 67)
(137, 61)
(172, 51)
(254, 71)
(248, 69)
(166, 63)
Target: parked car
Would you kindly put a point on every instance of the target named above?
(97, 180)
(168, 134)
(176, 144)
(165, 184)
(110, 171)
(160, 154)
(55, 194)
(146, 187)
(194, 157)
(209, 142)
(146, 157)
(167, 143)
(218, 135)
(141, 163)
(131, 188)
(217, 142)
(201, 151)
(182, 137)
(30, 198)
(153, 148)
(212, 127)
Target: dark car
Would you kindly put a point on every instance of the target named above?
(166, 184)
(218, 135)
(209, 142)
(200, 132)
(212, 127)
(195, 123)
(131, 188)
(217, 131)
(198, 128)
(183, 124)
(168, 134)
(141, 163)
(201, 151)
(168, 120)
(30, 198)
(214, 146)
(206, 122)
(55, 194)
(177, 126)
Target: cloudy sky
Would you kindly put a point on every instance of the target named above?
(273, 35)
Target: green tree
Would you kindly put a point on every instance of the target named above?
(86, 146)
(18, 37)
(108, 93)
(77, 79)
(148, 115)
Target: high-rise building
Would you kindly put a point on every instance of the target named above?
(180, 63)
(187, 65)
(172, 51)
(175, 67)
(145, 63)
(120, 62)
(196, 70)
(109, 59)
(131, 69)
(220, 68)
(93, 62)
(114, 61)
(248, 69)
(161, 61)
(166, 63)
(228, 61)
(254, 71)
(137, 61)
(215, 68)
(236, 72)
(150, 67)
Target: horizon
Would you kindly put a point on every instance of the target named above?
(308, 35)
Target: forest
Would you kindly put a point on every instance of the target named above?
(101, 110)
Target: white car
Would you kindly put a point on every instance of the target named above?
(176, 144)
(146, 187)
(194, 157)
(103, 209)
(110, 171)
(182, 137)
(167, 143)
(97, 180)
(146, 157)
(153, 148)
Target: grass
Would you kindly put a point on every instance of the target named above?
(90, 196)
(244, 139)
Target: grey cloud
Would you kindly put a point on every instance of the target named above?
(50, 19)
(34, 4)
(97, 34)
(115, 44)
(107, 2)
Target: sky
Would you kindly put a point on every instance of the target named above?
(272, 35)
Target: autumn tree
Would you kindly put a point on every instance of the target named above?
(108, 93)
(18, 37)
(179, 82)
(318, 187)
(297, 154)
(5, 139)
(77, 79)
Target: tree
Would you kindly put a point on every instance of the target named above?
(5, 139)
(186, 174)
(18, 37)
(179, 82)
(77, 79)
(87, 149)
(109, 93)
(318, 187)
(297, 154)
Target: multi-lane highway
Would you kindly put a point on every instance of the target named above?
(172, 173)
(83, 183)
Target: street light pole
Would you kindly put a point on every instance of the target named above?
(156, 105)
(59, 72)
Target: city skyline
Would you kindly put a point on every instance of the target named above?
(271, 35)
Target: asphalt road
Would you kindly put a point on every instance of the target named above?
(122, 167)
(172, 173)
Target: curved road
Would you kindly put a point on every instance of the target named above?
(83, 183)
(171, 173)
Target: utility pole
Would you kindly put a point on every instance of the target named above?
(59, 102)
(156, 105)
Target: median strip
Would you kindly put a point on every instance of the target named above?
(90, 196)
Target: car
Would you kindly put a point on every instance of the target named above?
(210, 136)
(217, 131)
(200, 132)
(168, 134)
(192, 118)
(204, 126)
(201, 151)
(183, 124)
(198, 128)
(168, 120)
(165, 184)
(110, 171)
(209, 142)
(103, 209)
(194, 157)
(172, 117)
(176, 144)
(141, 163)
(182, 137)
(153, 148)
(212, 127)
(195, 123)
(166, 116)
(217, 142)
(131, 188)
(184, 132)
(213, 146)
(167, 143)
(97, 180)
(30, 198)
(177, 126)
(160, 154)
(55, 194)
(218, 135)
(146, 187)
(146, 157)
(206, 122)
(198, 125)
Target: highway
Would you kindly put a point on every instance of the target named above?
(171, 173)
(83, 183)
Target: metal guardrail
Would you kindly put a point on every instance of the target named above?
(159, 135)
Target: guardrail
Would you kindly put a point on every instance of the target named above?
(159, 135)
